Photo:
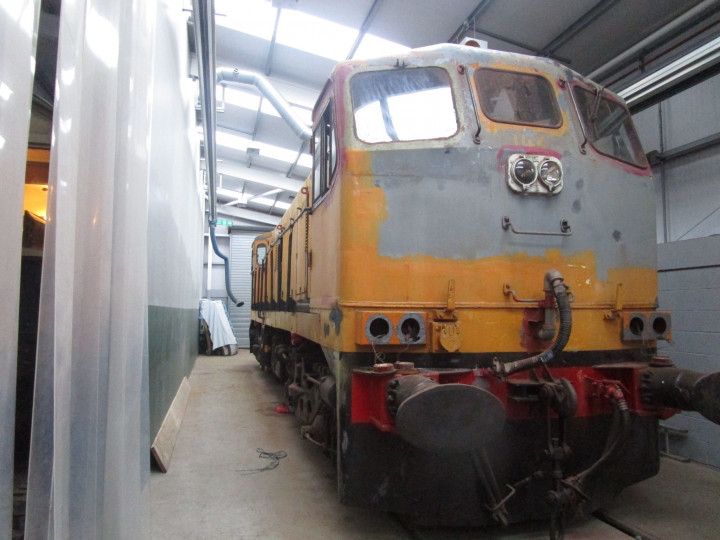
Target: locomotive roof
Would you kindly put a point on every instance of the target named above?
(452, 54)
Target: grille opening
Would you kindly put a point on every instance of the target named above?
(637, 326)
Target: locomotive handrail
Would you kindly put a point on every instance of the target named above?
(565, 228)
(304, 210)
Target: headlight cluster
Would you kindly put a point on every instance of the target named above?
(525, 170)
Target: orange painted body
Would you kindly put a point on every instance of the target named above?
(420, 268)
(336, 268)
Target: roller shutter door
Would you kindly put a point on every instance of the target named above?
(240, 279)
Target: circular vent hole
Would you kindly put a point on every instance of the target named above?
(410, 329)
(379, 328)
(660, 325)
(636, 326)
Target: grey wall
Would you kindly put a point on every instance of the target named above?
(687, 191)
(689, 283)
(175, 220)
(688, 222)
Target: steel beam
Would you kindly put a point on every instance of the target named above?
(258, 176)
(249, 215)
(271, 50)
(364, 28)
(667, 32)
(684, 150)
(469, 22)
(585, 20)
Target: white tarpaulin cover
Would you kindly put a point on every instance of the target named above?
(213, 311)
(18, 33)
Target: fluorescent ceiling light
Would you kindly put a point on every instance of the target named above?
(315, 35)
(267, 193)
(372, 47)
(237, 142)
(301, 31)
(673, 73)
(244, 198)
(254, 17)
(271, 202)
(239, 98)
(248, 100)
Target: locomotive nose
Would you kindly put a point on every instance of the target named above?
(444, 417)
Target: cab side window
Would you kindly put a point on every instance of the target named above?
(324, 150)
(261, 251)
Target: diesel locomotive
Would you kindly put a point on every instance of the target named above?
(461, 300)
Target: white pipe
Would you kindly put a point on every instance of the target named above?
(209, 265)
(656, 36)
(236, 76)
(679, 69)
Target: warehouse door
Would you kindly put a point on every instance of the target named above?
(240, 280)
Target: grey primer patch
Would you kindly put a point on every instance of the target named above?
(464, 220)
(336, 317)
(576, 207)
(617, 235)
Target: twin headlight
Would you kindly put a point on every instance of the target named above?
(535, 174)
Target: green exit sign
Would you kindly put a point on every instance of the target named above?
(226, 222)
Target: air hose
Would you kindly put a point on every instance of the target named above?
(553, 282)
(619, 432)
(224, 257)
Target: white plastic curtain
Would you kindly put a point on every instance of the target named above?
(18, 36)
(89, 459)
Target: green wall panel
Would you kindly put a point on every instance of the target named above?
(173, 348)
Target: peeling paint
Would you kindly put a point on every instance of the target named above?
(336, 317)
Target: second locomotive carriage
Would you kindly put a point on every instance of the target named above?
(461, 300)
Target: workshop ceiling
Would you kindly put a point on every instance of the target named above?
(643, 49)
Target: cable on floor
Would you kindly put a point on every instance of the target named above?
(274, 458)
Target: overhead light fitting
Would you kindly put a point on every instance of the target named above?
(675, 72)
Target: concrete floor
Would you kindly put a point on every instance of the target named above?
(208, 494)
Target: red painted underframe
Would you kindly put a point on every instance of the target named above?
(592, 385)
